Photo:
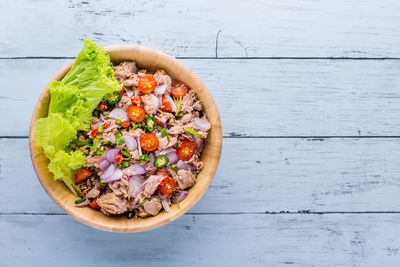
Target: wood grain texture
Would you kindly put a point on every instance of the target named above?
(257, 97)
(257, 175)
(278, 28)
(152, 60)
(207, 240)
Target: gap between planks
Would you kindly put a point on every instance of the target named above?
(233, 58)
(224, 213)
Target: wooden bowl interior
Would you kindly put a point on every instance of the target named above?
(151, 60)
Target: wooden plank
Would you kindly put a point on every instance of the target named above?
(207, 240)
(278, 28)
(255, 97)
(256, 175)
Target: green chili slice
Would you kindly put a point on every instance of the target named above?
(114, 98)
(161, 161)
(150, 123)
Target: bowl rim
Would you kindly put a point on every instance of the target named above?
(145, 224)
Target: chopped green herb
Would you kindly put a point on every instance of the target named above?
(96, 142)
(136, 125)
(178, 102)
(91, 168)
(125, 163)
(100, 129)
(144, 158)
(119, 142)
(179, 115)
(118, 122)
(178, 145)
(159, 199)
(119, 166)
(195, 175)
(125, 153)
(100, 152)
(193, 132)
(159, 128)
(177, 202)
(164, 133)
(80, 144)
(79, 201)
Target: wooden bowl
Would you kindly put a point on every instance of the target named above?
(151, 60)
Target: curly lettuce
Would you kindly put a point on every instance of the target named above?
(64, 165)
(93, 74)
(54, 133)
(72, 101)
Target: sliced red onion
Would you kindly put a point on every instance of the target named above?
(135, 170)
(164, 201)
(136, 185)
(159, 101)
(118, 114)
(117, 175)
(183, 165)
(160, 89)
(166, 151)
(152, 158)
(202, 124)
(111, 154)
(169, 99)
(108, 173)
(130, 142)
(181, 196)
(154, 100)
(102, 117)
(173, 158)
(129, 93)
(139, 147)
(104, 165)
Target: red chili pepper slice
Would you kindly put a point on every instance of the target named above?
(118, 158)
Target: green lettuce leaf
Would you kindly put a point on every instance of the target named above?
(63, 97)
(54, 133)
(79, 116)
(93, 74)
(64, 165)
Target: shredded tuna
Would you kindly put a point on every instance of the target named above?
(196, 162)
(125, 102)
(121, 187)
(149, 106)
(110, 203)
(151, 184)
(161, 78)
(152, 206)
(86, 185)
(93, 193)
(94, 161)
(184, 179)
(125, 69)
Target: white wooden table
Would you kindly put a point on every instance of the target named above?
(309, 95)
